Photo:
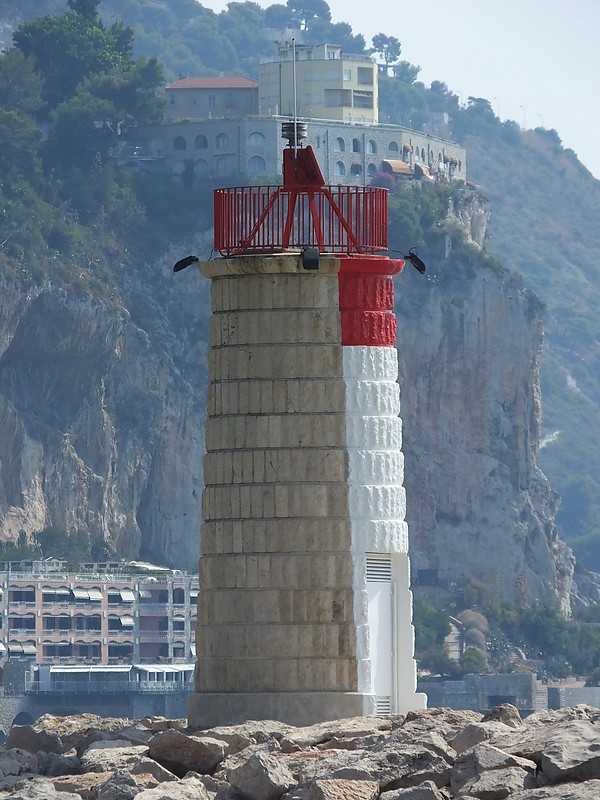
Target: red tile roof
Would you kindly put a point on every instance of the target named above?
(219, 82)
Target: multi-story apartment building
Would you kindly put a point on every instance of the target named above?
(103, 614)
(329, 84)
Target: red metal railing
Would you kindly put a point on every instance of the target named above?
(271, 219)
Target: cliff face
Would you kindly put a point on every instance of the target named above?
(477, 505)
(100, 419)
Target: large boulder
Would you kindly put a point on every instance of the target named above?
(110, 755)
(27, 738)
(180, 752)
(262, 777)
(572, 754)
(481, 759)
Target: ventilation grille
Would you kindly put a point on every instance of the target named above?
(379, 570)
(383, 706)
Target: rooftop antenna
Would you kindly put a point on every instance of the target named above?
(295, 143)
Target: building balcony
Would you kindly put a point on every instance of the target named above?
(21, 635)
(148, 609)
(17, 606)
(117, 637)
(56, 634)
(153, 636)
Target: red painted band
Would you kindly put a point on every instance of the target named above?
(369, 328)
(366, 300)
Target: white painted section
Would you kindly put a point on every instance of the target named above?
(373, 397)
(378, 466)
(385, 432)
(377, 508)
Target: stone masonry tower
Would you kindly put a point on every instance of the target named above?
(305, 608)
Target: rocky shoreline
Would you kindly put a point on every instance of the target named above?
(436, 754)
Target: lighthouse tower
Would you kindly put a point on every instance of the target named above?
(305, 609)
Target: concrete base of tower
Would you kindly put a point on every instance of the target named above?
(294, 708)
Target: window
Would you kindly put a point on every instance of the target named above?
(332, 74)
(22, 595)
(339, 145)
(222, 141)
(221, 167)
(172, 99)
(179, 143)
(212, 101)
(257, 164)
(393, 147)
(365, 76)
(201, 167)
(26, 623)
(356, 145)
(372, 147)
(178, 596)
(363, 99)
(312, 99)
(338, 97)
(230, 100)
(356, 169)
(339, 168)
(200, 142)
(371, 170)
(256, 139)
(347, 74)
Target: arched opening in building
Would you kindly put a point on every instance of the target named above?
(256, 139)
(257, 164)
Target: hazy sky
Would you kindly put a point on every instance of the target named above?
(536, 61)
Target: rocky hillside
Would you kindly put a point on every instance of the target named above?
(438, 754)
(478, 506)
(544, 225)
(101, 412)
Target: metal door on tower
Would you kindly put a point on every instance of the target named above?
(380, 594)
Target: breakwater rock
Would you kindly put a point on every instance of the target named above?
(436, 754)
